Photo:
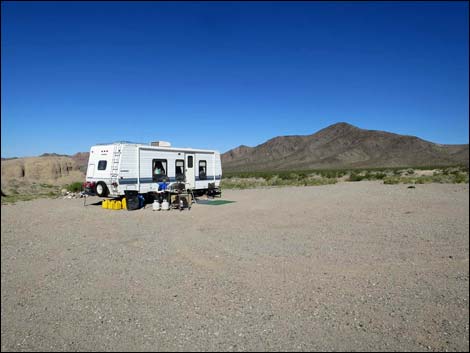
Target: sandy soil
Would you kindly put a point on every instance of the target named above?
(351, 266)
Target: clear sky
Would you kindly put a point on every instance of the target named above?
(218, 75)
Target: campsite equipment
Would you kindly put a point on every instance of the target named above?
(104, 204)
(165, 205)
(156, 205)
(132, 200)
(123, 203)
(117, 205)
(141, 200)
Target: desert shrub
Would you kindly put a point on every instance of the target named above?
(391, 180)
(355, 177)
(369, 175)
(380, 176)
(16, 198)
(410, 171)
(285, 176)
(74, 187)
(445, 171)
(423, 180)
(319, 181)
(396, 172)
(329, 173)
(461, 178)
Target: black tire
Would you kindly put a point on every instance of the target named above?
(101, 189)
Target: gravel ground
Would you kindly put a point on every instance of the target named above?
(351, 266)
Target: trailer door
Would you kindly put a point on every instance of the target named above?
(189, 172)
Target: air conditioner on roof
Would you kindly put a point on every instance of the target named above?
(160, 144)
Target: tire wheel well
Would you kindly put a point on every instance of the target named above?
(105, 191)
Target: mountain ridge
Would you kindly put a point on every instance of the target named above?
(343, 145)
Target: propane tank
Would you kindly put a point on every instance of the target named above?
(156, 205)
(165, 205)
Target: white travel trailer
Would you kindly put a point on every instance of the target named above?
(120, 166)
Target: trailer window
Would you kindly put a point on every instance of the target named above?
(102, 165)
(159, 169)
(179, 170)
(190, 161)
(202, 170)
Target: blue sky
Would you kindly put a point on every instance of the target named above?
(217, 75)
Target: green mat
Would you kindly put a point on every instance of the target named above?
(213, 202)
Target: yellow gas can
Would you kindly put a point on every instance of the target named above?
(123, 203)
(104, 204)
(111, 204)
(117, 205)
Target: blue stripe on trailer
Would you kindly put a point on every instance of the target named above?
(172, 179)
(142, 180)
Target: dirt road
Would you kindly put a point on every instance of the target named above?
(351, 266)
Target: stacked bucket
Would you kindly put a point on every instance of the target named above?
(114, 204)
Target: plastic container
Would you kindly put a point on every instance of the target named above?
(132, 200)
(123, 203)
(141, 201)
(104, 204)
(165, 205)
(117, 205)
(156, 205)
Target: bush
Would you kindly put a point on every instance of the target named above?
(355, 177)
(74, 187)
(380, 176)
(322, 181)
(461, 178)
(391, 180)
(397, 172)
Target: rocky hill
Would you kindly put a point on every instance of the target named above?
(343, 146)
(20, 174)
(81, 159)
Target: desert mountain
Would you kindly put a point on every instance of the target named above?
(343, 146)
(81, 159)
(21, 173)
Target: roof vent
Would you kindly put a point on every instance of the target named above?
(160, 144)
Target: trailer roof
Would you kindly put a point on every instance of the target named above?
(148, 146)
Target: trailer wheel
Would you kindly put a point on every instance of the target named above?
(101, 189)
